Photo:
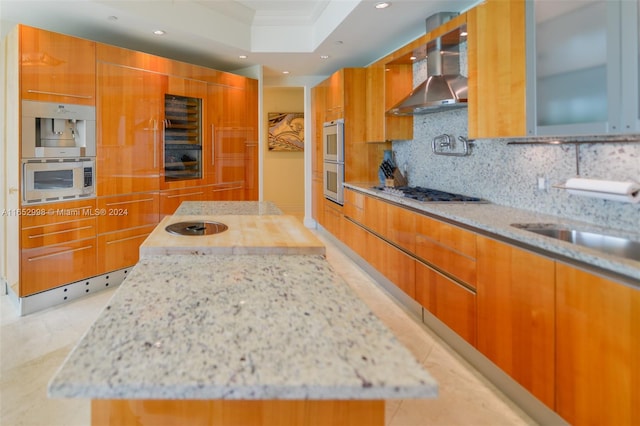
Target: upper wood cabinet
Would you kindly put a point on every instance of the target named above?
(597, 349)
(130, 113)
(496, 52)
(516, 315)
(56, 67)
(386, 85)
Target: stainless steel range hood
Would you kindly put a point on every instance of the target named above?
(445, 88)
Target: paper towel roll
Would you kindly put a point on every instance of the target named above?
(626, 192)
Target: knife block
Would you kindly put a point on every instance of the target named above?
(398, 180)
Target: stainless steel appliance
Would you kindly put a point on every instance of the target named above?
(333, 156)
(59, 179)
(430, 195)
(52, 130)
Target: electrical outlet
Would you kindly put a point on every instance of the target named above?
(542, 183)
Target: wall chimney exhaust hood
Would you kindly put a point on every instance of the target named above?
(444, 88)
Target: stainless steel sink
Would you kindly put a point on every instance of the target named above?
(609, 244)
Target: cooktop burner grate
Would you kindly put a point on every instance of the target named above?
(427, 194)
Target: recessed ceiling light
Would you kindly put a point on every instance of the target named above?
(324, 56)
(463, 34)
(383, 5)
(243, 56)
(112, 18)
(285, 72)
(413, 58)
(159, 32)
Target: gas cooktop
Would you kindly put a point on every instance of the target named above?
(419, 193)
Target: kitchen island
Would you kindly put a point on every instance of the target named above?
(260, 339)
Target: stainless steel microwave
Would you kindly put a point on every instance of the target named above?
(57, 179)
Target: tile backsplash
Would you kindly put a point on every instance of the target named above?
(507, 174)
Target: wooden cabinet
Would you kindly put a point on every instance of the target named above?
(451, 302)
(516, 319)
(393, 263)
(597, 349)
(332, 218)
(58, 246)
(171, 199)
(127, 211)
(232, 191)
(130, 113)
(335, 96)
(56, 67)
(497, 69)
(120, 249)
(448, 248)
(386, 85)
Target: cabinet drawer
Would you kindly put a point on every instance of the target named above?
(448, 248)
(450, 302)
(354, 205)
(231, 191)
(397, 266)
(127, 211)
(65, 211)
(120, 249)
(48, 267)
(56, 233)
(170, 200)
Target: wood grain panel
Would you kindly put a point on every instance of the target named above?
(598, 349)
(447, 247)
(497, 69)
(516, 319)
(401, 227)
(170, 200)
(236, 413)
(117, 250)
(452, 303)
(60, 232)
(127, 211)
(129, 143)
(64, 211)
(397, 266)
(51, 266)
(354, 205)
(56, 67)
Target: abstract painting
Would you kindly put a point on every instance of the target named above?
(286, 131)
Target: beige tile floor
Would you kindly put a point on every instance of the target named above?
(34, 346)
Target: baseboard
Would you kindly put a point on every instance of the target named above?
(66, 293)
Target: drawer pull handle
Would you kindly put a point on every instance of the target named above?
(226, 189)
(59, 94)
(59, 253)
(185, 195)
(129, 202)
(127, 239)
(59, 232)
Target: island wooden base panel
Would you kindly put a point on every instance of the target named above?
(236, 413)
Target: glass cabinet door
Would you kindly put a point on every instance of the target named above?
(574, 58)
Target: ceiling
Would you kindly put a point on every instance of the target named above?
(280, 35)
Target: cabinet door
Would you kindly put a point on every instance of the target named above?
(130, 105)
(56, 67)
(452, 303)
(515, 294)
(232, 191)
(334, 101)
(385, 87)
(397, 266)
(497, 69)
(598, 349)
(229, 134)
(574, 69)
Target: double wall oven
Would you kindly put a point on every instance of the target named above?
(333, 157)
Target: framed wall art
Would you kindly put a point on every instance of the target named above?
(286, 131)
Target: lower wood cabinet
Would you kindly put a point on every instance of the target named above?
(127, 211)
(170, 200)
(231, 191)
(332, 218)
(47, 267)
(120, 249)
(393, 263)
(516, 319)
(449, 301)
(597, 349)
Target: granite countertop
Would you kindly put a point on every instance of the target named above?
(239, 327)
(227, 208)
(496, 220)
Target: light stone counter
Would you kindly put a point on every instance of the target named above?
(213, 208)
(496, 220)
(239, 327)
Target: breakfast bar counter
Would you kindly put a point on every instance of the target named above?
(260, 339)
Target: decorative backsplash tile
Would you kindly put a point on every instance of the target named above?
(507, 174)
